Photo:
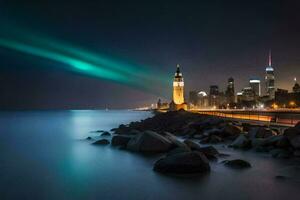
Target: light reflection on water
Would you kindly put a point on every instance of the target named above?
(44, 156)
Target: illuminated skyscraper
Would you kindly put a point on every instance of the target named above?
(230, 97)
(255, 85)
(178, 87)
(270, 79)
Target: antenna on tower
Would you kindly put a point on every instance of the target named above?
(270, 58)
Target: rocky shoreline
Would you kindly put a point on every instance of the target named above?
(186, 140)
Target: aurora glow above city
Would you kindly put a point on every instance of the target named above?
(130, 50)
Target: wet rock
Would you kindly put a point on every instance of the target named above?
(210, 152)
(261, 132)
(215, 139)
(199, 137)
(102, 142)
(246, 127)
(241, 142)
(175, 141)
(293, 136)
(120, 140)
(237, 163)
(183, 163)
(89, 138)
(122, 129)
(178, 150)
(214, 131)
(106, 133)
(149, 141)
(232, 130)
(192, 145)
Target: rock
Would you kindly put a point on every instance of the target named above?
(210, 152)
(199, 137)
(192, 145)
(120, 140)
(293, 135)
(133, 132)
(214, 131)
(98, 131)
(175, 141)
(215, 139)
(246, 127)
(102, 142)
(183, 163)
(149, 141)
(295, 142)
(177, 150)
(106, 133)
(238, 164)
(283, 142)
(89, 138)
(188, 131)
(241, 142)
(232, 130)
(261, 132)
(122, 129)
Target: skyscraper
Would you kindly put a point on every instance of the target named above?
(230, 97)
(296, 87)
(178, 87)
(255, 85)
(270, 79)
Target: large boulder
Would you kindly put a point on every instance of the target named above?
(237, 164)
(183, 163)
(232, 130)
(149, 141)
(102, 142)
(293, 135)
(120, 140)
(213, 131)
(241, 142)
(105, 133)
(261, 132)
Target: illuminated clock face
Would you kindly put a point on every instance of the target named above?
(178, 84)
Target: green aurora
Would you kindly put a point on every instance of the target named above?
(82, 61)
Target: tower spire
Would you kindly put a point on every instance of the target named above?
(270, 58)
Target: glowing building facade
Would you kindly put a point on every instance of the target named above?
(178, 87)
(255, 85)
(270, 79)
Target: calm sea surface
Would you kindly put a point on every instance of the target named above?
(44, 155)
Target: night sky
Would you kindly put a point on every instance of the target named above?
(211, 40)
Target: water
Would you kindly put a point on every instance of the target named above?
(43, 155)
